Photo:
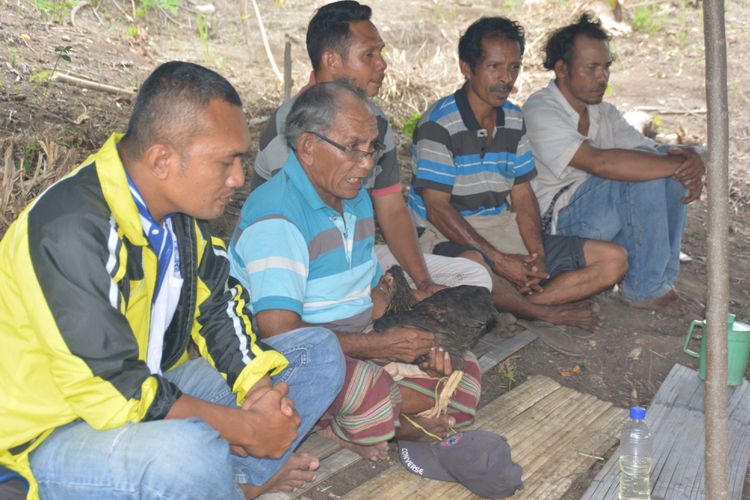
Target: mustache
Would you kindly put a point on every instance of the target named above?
(501, 87)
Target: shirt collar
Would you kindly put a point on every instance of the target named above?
(467, 115)
(140, 203)
(572, 113)
(302, 183)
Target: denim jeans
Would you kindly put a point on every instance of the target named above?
(645, 217)
(186, 459)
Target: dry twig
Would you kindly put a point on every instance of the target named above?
(266, 45)
(127, 16)
(91, 84)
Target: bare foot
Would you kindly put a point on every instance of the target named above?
(672, 303)
(441, 426)
(374, 453)
(298, 470)
(584, 314)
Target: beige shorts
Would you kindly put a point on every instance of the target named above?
(500, 231)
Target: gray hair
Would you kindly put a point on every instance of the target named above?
(316, 108)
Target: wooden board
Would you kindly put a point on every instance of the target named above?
(490, 351)
(676, 420)
(554, 432)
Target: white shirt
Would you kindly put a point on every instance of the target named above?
(552, 128)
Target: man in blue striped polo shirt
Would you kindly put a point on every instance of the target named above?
(471, 158)
(304, 248)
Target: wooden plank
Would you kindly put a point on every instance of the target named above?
(318, 445)
(677, 422)
(503, 349)
(329, 466)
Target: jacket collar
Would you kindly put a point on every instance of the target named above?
(114, 183)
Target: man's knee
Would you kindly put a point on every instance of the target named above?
(192, 458)
(613, 260)
(325, 352)
(323, 344)
(313, 348)
(618, 262)
(675, 191)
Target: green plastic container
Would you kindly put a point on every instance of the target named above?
(738, 348)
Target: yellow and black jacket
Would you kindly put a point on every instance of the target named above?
(77, 280)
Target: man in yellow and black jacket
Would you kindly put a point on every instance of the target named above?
(106, 277)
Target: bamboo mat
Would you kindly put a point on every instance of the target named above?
(555, 434)
(490, 350)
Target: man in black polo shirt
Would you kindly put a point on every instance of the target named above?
(471, 158)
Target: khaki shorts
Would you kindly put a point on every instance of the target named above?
(561, 253)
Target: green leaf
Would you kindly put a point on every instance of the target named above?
(411, 125)
(40, 77)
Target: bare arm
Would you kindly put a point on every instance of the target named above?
(449, 222)
(401, 237)
(528, 219)
(400, 343)
(635, 165)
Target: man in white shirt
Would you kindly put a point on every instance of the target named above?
(601, 179)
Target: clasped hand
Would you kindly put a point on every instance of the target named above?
(273, 418)
(689, 173)
(526, 272)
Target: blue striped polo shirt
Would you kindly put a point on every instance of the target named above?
(451, 154)
(294, 252)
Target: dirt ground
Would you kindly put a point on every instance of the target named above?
(659, 70)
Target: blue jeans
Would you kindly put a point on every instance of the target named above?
(187, 459)
(645, 217)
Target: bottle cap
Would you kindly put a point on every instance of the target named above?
(637, 413)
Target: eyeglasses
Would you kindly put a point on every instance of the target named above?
(354, 154)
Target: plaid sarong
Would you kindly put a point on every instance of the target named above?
(367, 409)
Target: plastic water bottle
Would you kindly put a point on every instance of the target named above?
(635, 457)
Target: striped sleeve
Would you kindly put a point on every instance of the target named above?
(524, 166)
(276, 264)
(388, 178)
(434, 167)
(223, 330)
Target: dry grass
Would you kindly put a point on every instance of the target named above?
(29, 166)
(423, 67)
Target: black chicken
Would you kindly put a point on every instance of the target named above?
(457, 316)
